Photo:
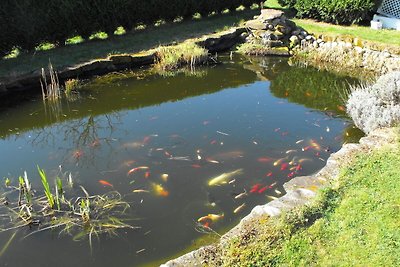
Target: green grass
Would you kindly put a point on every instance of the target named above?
(365, 33)
(354, 223)
(141, 39)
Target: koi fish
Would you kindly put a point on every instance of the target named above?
(299, 141)
(269, 174)
(239, 209)
(195, 166)
(255, 188)
(128, 163)
(315, 145)
(341, 108)
(277, 129)
(304, 160)
(159, 190)
(146, 139)
(206, 123)
(284, 133)
(213, 142)
(105, 183)
(133, 145)
(147, 174)
(222, 179)
(272, 197)
(272, 185)
(278, 192)
(279, 161)
(137, 168)
(211, 217)
(77, 154)
(241, 195)
(164, 177)
(140, 191)
(290, 175)
(262, 190)
(306, 148)
(291, 151)
(284, 166)
(264, 159)
(222, 133)
(95, 143)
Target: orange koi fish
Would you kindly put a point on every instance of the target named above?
(146, 139)
(279, 161)
(147, 174)
(137, 168)
(211, 217)
(306, 148)
(315, 145)
(105, 183)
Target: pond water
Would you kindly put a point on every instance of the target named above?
(247, 125)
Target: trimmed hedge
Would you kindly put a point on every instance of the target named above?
(25, 24)
(334, 11)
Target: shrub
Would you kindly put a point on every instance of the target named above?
(376, 106)
(336, 11)
(287, 3)
(25, 24)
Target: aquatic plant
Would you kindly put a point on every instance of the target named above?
(185, 54)
(81, 216)
(376, 106)
(70, 86)
(50, 90)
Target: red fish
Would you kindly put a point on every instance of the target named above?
(77, 154)
(284, 166)
(262, 190)
(264, 159)
(341, 108)
(147, 175)
(166, 153)
(196, 166)
(146, 139)
(269, 174)
(213, 142)
(255, 188)
(206, 224)
(298, 167)
(105, 183)
(306, 148)
(95, 143)
(290, 175)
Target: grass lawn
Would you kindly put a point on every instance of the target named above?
(356, 222)
(128, 43)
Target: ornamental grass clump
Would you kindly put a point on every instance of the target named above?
(376, 106)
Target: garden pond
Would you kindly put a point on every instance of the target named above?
(191, 153)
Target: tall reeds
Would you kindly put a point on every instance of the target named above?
(50, 90)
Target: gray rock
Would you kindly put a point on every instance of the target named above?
(270, 14)
(255, 25)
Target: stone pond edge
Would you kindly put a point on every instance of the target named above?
(300, 191)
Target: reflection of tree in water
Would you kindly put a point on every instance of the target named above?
(86, 136)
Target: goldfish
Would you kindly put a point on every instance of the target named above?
(269, 174)
(284, 166)
(241, 195)
(213, 142)
(315, 145)
(262, 190)
(239, 209)
(211, 217)
(255, 188)
(222, 179)
(290, 175)
(304, 160)
(272, 197)
(147, 174)
(159, 190)
(290, 151)
(105, 183)
(264, 159)
(164, 177)
(140, 191)
(137, 168)
(306, 148)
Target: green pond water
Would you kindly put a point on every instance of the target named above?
(260, 118)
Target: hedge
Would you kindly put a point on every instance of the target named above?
(25, 24)
(334, 11)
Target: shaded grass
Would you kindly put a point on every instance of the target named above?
(148, 38)
(354, 223)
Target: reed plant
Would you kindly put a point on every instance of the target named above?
(50, 89)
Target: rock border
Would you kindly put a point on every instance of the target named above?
(300, 191)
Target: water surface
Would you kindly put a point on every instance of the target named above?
(262, 118)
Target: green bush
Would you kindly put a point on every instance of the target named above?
(336, 11)
(25, 24)
(287, 3)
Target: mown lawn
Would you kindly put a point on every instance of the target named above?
(356, 222)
